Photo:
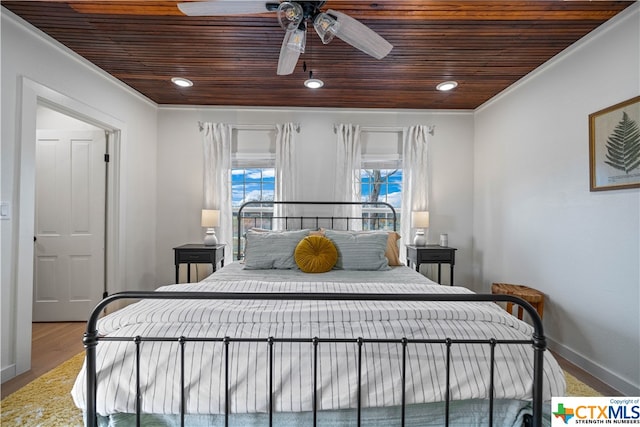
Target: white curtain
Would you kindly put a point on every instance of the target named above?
(415, 178)
(285, 171)
(217, 178)
(348, 169)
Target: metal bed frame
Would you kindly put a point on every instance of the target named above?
(92, 339)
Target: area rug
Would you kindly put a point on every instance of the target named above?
(577, 388)
(46, 401)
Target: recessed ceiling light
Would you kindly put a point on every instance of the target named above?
(182, 82)
(445, 86)
(313, 83)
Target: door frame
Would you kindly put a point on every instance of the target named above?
(32, 95)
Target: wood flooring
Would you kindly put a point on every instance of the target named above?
(53, 343)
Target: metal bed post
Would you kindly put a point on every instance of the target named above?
(404, 379)
(448, 384)
(183, 400)
(271, 362)
(137, 340)
(315, 341)
(359, 380)
(226, 381)
(492, 343)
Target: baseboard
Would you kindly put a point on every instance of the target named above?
(594, 369)
(8, 373)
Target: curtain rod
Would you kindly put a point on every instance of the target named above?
(431, 129)
(253, 127)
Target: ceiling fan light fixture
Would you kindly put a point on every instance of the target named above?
(448, 85)
(181, 82)
(296, 39)
(326, 26)
(290, 15)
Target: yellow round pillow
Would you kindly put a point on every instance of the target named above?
(315, 254)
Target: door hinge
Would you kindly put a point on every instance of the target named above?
(106, 158)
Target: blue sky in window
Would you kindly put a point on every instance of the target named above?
(391, 193)
(250, 184)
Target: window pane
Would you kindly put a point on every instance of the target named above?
(381, 185)
(252, 184)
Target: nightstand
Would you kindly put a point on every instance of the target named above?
(197, 253)
(432, 254)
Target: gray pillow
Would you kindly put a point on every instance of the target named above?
(272, 249)
(360, 250)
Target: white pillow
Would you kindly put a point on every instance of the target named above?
(272, 249)
(360, 251)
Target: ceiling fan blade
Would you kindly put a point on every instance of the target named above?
(223, 7)
(360, 36)
(288, 55)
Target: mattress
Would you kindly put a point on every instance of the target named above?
(337, 365)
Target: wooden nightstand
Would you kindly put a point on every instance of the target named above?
(197, 253)
(432, 254)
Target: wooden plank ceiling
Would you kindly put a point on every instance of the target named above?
(484, 45)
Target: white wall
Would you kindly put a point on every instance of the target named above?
(27, 53)
(535, 221)
(180, 169)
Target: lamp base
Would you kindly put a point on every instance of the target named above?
(420, 239)
(210, 238)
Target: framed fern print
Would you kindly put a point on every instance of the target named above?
(614, 146)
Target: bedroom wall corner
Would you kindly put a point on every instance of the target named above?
(535, 220)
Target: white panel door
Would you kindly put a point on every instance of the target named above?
(70, 217)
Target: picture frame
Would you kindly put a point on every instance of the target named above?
(614, 146)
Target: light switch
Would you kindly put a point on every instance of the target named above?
(5, 210)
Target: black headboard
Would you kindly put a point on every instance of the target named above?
(314, 215)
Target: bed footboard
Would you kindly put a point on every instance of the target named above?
(92, 339)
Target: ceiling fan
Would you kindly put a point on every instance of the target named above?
(294, 16)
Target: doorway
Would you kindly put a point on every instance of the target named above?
(34, 94)
(70, 201)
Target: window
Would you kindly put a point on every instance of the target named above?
(253, 162)
(381, 175)
(381, 185)
(250, 185)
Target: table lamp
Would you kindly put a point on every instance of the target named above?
(420, 220)
(210, 219)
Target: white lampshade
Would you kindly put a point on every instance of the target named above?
(420, 219)
(210, 218)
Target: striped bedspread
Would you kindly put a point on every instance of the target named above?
(337, 362)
